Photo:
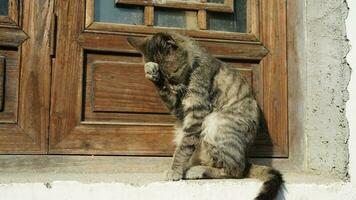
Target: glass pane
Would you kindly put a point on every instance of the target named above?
(107, 11)
(175, 18)
(4, 7)
(216, 1)
(231, 22)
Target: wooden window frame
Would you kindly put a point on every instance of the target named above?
(13, 15)
(249, 36)
(227, 6)
(263, 27)
(250, 46)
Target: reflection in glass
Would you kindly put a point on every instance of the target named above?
(175, 18)
(4, 7)
(169, 18)
(231, 22)
(216, 1)
(107, 11)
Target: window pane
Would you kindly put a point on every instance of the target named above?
(4, 7)
(216, 1)
(107, 11)
(231, 22)
(175, 18)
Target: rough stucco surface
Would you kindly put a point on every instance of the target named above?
(327, 79)
(227, 190)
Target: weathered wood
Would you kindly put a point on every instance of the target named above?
(227, 6)
(10, 83)
(125, 29)
(88, 115)
(149, 15)
(89, 15)
(12, 20)
(118, 139)
(202, 20)
(2, 74)
(28, 134)
(253, 17)
(11, 37)
(67, 72)
(14, 8)
(273, 36)
(221, 49)
(122, 87)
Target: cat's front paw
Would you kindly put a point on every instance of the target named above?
(172, 175)
(152, 71)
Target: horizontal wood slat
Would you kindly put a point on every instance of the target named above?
(122, 87)
(220, 49)
(185, 5)
(119, 139)
(11, 37)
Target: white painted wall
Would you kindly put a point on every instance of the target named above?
(351, 104)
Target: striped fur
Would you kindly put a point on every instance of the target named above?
(217, 114)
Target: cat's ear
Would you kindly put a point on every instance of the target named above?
(169, 40)
(137, 43)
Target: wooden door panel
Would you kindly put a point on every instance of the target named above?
(9, 84)
(102, 104)
(121, 87)
(25, 74)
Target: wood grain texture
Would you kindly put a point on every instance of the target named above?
(29, 134)
(220, 49)
(66, 96)
(14, 8)
(149, 15)
(274, 65)
(2, 75)
(202, 20)
(12, 20)
(10, 83)
(89, 116)
(253, 18)
(122, 87)
(89, 16)
(118, 139)
(12, 37)
(127, 29)
(185, 5)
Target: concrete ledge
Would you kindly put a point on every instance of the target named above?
(181, 190)
(121, 169)
(110, 177)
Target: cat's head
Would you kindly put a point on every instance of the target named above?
(169, 50)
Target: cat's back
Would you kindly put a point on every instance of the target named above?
(230, 87)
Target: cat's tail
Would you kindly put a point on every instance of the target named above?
(272, 180)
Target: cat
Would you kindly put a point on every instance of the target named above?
(217, 113)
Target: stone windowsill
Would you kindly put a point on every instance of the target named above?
(108, 169)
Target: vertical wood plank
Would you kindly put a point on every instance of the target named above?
(2, 74)
(34, 90)
(274, 65)
(14, 11)
(149, 15)
(89, 13)
(253, 17)
(66, 97)
(202, 19)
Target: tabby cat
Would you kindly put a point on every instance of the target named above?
(217, 113)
